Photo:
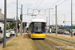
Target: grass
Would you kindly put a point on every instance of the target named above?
(45, 47)
(61, 43)
(20, 43)
(67, 43)
(11, 44)
(65, 37)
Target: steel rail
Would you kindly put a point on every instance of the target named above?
(53, 45)
(62, 39)
(40, 48)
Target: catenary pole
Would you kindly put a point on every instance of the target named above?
(21, 18)
(71, 19)
(49, 19)
(16, 16)
(56, 17)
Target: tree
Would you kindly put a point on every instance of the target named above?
(18, 20)
(61, 27)
(7, 27)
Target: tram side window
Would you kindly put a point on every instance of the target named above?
(31, 27)
(43, 27)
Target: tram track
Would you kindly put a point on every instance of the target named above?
(45, 45)
(40, 48)
(61, 39)
(66, 42)
(53, 45)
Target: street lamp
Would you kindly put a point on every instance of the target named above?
(4, 40)
(16, 16)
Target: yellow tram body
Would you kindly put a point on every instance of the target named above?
(37, 29)
(38, 35)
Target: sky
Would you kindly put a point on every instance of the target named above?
(63, 10)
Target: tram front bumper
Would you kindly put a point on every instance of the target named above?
(37, 35)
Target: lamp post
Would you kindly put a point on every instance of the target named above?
(4, 41)
(16, 16)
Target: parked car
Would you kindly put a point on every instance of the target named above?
(53, 31)
(8, 34)
(12, 32)
(73, 31)
(1, 31)
(60, 31)
(66, 32)
(1, 35)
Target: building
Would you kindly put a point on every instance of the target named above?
(11, 22)
(1, 16)
(58, 25)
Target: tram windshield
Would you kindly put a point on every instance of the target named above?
(39, 27)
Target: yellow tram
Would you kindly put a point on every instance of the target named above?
(37, 29)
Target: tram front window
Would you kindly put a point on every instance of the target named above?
(39, 28)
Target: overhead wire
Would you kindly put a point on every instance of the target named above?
(61, 2)
(54, 3)
(34, 6)
(36, 3)
(51, 5)
(39, 4)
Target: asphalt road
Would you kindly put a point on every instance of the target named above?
(1, 42)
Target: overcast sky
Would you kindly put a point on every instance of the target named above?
(63, 7)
